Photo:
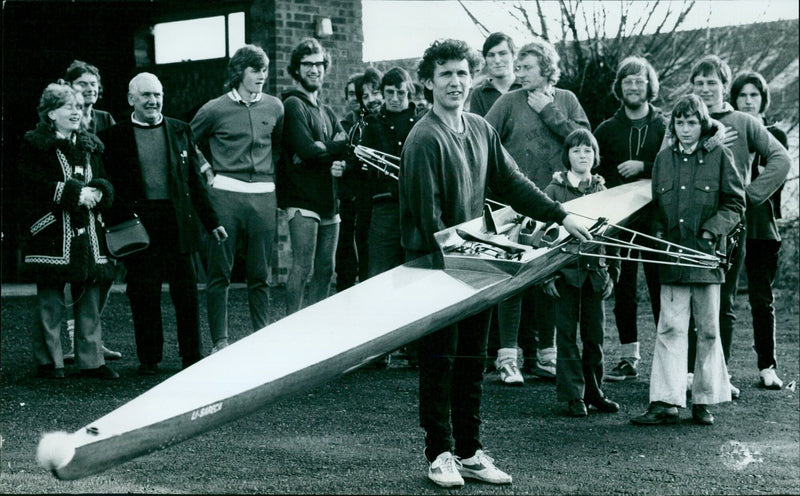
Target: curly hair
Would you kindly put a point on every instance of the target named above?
(54, 96)
(247, 56)
(307, 46)
(631, 66)
(440, 52)
(371, 76)
(757, 80)
(580, 137)
(548, 58)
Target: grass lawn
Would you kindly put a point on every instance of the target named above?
(360, 434)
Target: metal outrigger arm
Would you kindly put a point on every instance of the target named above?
(668, 253)
(384, 162)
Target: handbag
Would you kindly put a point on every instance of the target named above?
(126, 237)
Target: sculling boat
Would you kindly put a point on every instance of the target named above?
(478, 266)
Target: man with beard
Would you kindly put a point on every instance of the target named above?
(629, 142)
(498, 51)
(532, 123)
(352, 259)
(314, 148)
(241, 132)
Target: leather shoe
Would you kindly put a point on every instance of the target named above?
(605, 405)
(577, 408)
(657, 414)
(148, 369)
(701, 415)
(101, 372)
(49, 371)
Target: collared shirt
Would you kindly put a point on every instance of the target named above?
(483, 96)
(236, 97)
(146, 124)
(687, 151)
(72, 137)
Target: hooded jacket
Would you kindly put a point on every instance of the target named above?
(619, 141)
(700, 191)
(594, 268)
(304, 177)
(66, 241)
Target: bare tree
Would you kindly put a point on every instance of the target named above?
(590, 54)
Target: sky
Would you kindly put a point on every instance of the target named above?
(403, 29)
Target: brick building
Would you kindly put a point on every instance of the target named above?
(122, 38)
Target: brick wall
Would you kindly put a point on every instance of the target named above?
(277, 26)
(280, 24)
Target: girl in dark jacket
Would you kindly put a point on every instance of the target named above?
(63, 192)
(579, 290)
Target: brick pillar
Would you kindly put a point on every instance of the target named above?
(277, 26)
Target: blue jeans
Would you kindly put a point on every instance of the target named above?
(313, 249)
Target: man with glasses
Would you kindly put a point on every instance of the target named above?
(314, 148)
(532, 123)
(629, 142)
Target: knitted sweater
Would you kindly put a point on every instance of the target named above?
(243, 140)
(761, 219)
(533, 138)
(445, 175)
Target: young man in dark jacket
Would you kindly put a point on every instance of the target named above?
(314, 148)
(629, 142)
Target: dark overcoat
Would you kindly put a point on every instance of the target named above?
(188, 195)
(65, 240)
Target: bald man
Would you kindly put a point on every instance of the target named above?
(156, 165)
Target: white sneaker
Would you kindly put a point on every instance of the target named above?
(222, 343)
(509, 372)
(769, 379)
(481, 466)
(444, 471)
(544, 369)
(110, 354)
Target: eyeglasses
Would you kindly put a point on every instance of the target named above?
(630, 83)
(309, 65)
